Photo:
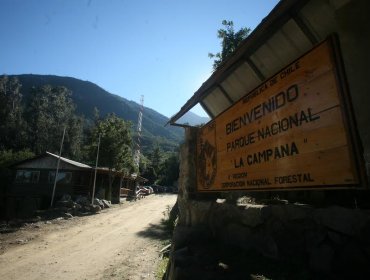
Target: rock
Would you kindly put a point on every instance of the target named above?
(223, 265)
(85, 208)
(95, 208)
(298, 211)
(251, 216)
(353, 263)
(222, 214)
(187, 235)
(66, 197)
(337, 238)
(286, 212)
(239, 236)
(98, 202)
(289, 238)
(199, 211)
(33, 219)
(346, 221)
(106, 203)
(183, 257)
(364, 234)
(65, 201)
(68, 216)
(77, 206)
(244, 201)
(321, 259)
(185, 273)
(64, 204)
(63, 209)
(83, 200)
(266, 245)
(314, 237)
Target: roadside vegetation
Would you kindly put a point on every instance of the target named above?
(169, 221)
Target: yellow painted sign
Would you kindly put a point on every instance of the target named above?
(290, 132)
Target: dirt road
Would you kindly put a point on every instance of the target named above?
(122, 242)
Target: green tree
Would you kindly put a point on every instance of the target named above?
(169, 170)
(50, 110)
(12, 125)
(230, 40)
(115, 147)
(147, 170)
(150, 174)
(74, 138)
(155, 158)
(7, 158)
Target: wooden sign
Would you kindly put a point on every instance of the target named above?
(290, 132)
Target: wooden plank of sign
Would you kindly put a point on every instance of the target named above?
(289, 132)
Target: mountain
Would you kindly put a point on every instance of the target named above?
(87, 95)
(193, 119)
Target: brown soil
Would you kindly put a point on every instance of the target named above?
(122, 242)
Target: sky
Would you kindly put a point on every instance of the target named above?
(155, 48)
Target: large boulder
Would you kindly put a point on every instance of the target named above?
(64, 204)
(343, 220)
(106, 203)
(252, 215)
(95, 208)
(66, 197)
(83, 200)
(98, 202)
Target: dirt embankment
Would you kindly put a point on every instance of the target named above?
(122, 242)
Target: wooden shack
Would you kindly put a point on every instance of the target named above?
(36, 176)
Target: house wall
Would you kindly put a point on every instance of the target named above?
(22, 199)
(41, 188)
(80, 184)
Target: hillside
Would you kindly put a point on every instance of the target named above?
(193, 119)
(88, 95)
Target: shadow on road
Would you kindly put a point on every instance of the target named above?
(164, 229)
(160, 231)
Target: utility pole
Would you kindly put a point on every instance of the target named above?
(96, 167)
(56, 172)
(138, 130)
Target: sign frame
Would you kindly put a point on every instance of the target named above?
(206, 160)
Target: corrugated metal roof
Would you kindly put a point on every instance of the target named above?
(80, 165)
(69, 161)
(292, 28)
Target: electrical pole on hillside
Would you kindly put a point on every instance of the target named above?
(138, 130)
